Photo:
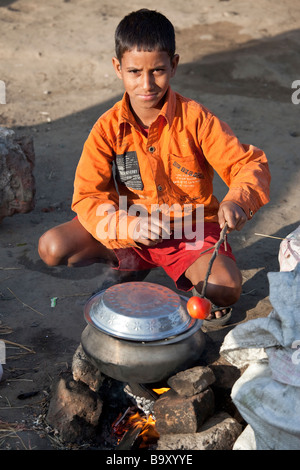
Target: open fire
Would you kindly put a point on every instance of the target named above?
(135, 428)
(185, 411)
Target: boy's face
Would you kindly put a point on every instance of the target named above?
(146, 77)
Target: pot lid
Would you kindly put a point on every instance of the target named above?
(139, 311)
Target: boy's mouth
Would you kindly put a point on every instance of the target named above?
(148, 97)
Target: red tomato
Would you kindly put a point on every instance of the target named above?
(198, 307)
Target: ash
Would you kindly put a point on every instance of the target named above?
(145, 404)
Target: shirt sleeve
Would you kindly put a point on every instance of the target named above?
(95, 197)
(244, 168)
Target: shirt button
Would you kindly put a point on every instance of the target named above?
(159, 187)
(151, 149)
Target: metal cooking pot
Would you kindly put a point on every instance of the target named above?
(141, 332)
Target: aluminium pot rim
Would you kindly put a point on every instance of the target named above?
(197, 324)
(140, 312)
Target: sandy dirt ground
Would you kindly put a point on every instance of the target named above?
(238, 58)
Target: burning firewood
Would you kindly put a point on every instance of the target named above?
(135, 430)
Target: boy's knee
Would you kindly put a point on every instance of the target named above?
(222, 295)
(49, 249)
(224, 289)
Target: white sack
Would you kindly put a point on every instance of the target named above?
(267, 394)
(289, 251)
(246, 440)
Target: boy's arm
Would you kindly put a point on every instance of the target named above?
(244, 168)
(95, 197)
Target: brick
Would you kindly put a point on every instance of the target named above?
(176, 414)
(191, 381)
(83, 370)
(74, 410)
(219, 433)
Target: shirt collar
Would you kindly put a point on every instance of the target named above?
(167, 111)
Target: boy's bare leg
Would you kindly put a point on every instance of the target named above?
(71, 245)
(224, 283)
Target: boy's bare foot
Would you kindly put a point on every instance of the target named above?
(218, 313)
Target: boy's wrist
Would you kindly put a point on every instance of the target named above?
(242, 200)
(234, 203)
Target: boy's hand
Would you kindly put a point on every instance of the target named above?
(232, 214)
(150, 230)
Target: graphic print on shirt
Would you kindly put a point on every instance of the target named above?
(128, 170)
(185, 172)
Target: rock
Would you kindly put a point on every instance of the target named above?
(176, 414)
(85, 371)
(74, 410)
(219, 433)
(17, 183)
(225, 374)
(191, 381)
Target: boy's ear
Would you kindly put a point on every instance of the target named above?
(175, 61)
(117, 66)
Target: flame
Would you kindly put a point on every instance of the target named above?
(160, 391)
(148, 432)
(133, 419)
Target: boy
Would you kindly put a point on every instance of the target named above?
(155, 150)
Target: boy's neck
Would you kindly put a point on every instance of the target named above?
(145, 119)
(144, 130)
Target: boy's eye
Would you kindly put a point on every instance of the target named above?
(159, 72)
(136, 71)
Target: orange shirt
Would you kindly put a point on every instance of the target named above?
(173, 164)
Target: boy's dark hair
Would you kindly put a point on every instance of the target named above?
(147, 30)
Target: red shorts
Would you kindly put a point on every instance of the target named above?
(173, 255)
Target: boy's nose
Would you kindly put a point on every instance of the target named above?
(148, 81)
